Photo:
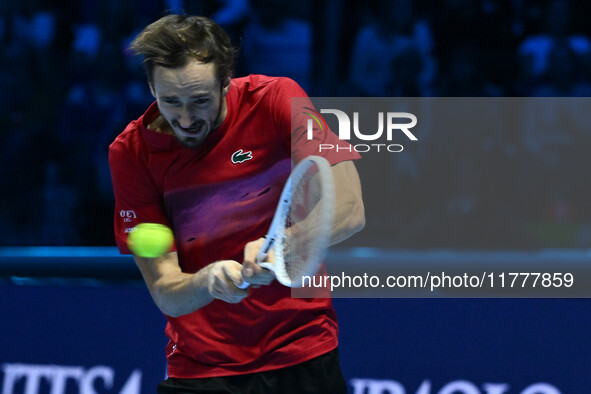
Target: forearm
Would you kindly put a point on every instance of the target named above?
(349, 215)
(174, 292)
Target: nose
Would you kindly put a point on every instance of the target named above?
(185, 118)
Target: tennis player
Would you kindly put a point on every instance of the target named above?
(209, 159)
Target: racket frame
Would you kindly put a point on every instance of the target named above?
(274, 239)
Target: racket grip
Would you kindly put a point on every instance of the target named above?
(243, 285)
(260, 257)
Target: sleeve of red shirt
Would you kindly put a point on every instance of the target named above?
(291, 116)
(137, 199)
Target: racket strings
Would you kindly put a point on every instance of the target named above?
(302, 224)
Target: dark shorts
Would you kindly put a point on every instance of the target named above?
(319, 375)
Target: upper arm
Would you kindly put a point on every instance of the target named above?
(137, 198)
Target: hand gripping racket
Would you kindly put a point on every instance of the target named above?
(301, 228)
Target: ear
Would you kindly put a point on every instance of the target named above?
(152, 89)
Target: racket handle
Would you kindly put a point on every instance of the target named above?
(260, 257)
(243, 285)
(264, 252)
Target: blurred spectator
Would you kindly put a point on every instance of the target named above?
(535, 51)
(68, 83)
(462, 75)
(564, 76)
(60, 204)
(556, 140)
(483, 24)
(93, 113)
(230, 14)
(278, 41)
(380, 46)
(31, 83)
(556, 137)
(407, 66)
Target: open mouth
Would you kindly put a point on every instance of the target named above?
(192, 131)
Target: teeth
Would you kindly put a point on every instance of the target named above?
(193, 130)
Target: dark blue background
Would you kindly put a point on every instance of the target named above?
(513, 341)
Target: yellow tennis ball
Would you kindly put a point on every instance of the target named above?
(150, 240)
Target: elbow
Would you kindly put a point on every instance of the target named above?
(166, 303)
(166, 307)
(171, 312)
(350, 221)
(175, 303)
(357, 217)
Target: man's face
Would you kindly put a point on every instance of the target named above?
(190, 99)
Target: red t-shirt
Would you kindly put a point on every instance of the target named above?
(216, 206)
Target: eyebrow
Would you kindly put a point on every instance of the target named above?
(197, 95)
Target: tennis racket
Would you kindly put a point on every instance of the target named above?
(300, 231)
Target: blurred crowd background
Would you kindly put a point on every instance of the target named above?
(70, 85)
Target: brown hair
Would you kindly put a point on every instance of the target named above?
(172, 41)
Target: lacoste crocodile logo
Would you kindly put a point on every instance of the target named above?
(240, 156)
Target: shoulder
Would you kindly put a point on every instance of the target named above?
(129, 157)
(131, 140)
(128, 147)
(256, 84)
(127, 140)
(264, 94)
